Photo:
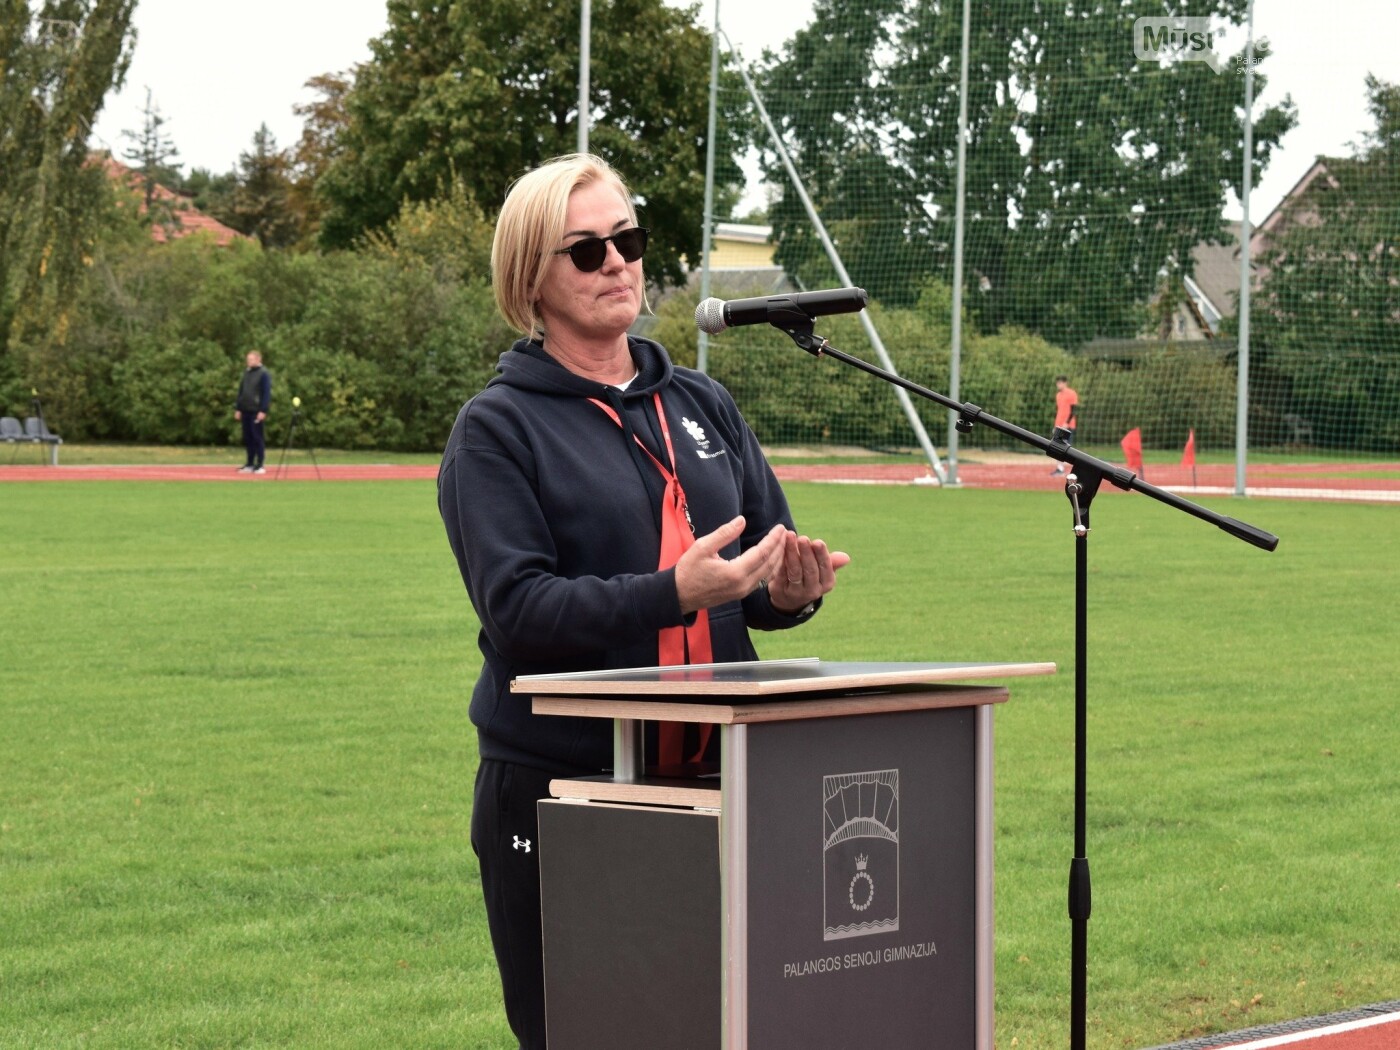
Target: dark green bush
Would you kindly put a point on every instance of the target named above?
(381, 344)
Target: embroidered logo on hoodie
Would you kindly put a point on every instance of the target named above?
(696, 431)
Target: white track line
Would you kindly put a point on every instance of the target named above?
(1314, 1033)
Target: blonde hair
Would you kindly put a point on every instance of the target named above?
(532, 223)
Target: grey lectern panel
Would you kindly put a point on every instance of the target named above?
(861, 882)
(631, 903)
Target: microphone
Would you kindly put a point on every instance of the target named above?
(715, 315)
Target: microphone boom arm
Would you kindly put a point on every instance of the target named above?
(800, 328)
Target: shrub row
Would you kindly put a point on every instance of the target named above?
(381, 349)
(383, 344)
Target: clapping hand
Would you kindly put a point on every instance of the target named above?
(799, 570)
(808, 571)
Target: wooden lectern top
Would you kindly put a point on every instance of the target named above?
(744, 694)
(765, 678)
(765, 690)
(748, 693)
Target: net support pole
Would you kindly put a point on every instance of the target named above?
(915, 423)
(959, 219)
(1246, 235)
(585, 57)
(702, 346)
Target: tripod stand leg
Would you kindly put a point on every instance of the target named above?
(291, 435)
(291, 430)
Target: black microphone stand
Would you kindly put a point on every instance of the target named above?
(1081, 485)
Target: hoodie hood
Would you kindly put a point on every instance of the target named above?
(528, 366)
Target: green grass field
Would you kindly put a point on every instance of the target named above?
(237, 762)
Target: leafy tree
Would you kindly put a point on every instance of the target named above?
(1331, 274)
(324, 122)
(1326, 317)
(212, 193)
(383, 344)
(262, 198)
(1088, 172)
(174, 391)
(448, 234)
(153, 152)
(480, 90)
(58, 60)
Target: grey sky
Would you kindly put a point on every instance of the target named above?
(217, 75)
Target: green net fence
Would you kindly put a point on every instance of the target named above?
(1102, 238)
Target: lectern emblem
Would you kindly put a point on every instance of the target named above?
(868, 890)
(861, 853)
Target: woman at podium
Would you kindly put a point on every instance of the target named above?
(607, 509)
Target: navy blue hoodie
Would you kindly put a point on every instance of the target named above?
(554, 516)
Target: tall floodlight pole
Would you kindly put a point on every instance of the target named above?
(702, 351)
(1246, 235)
(585, 34)
(955, 364)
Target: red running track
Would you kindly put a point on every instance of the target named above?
(1370, 482)
(181, 472)
(1371, 1033)
(1353, 482)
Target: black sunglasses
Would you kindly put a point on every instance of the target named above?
(588, 254)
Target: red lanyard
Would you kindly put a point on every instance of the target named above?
(678, 494)
(675, 645)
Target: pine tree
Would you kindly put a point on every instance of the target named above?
(152, 155)
(261, 201)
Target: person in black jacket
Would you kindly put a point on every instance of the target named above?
(250, 409)
(607, 509)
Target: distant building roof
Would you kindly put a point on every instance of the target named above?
(743, 231)
(741, 246)
(1214, 286)
(1284, 212)
(188, 220)
(1215, 283)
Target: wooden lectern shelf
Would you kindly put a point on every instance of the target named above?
(649, 791)
(901, 698)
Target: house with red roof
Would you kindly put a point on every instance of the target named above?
(179, 217)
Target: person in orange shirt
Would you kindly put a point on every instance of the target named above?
(1066, 415)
